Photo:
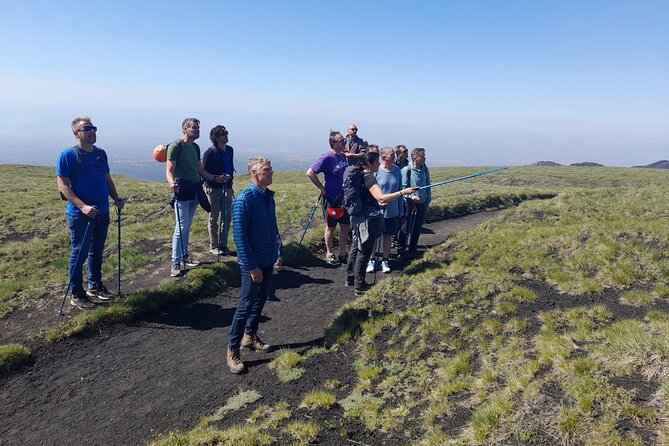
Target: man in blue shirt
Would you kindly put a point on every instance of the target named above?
(83, 179)
(259, 248)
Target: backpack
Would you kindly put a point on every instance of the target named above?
(352, 201)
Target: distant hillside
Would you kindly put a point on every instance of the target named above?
(587, 164)
(545, 163)
(662, 164)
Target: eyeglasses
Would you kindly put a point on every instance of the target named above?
(353, 130)
(88, 128)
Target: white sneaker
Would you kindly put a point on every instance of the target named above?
(385, 267)
(371, 266)
(189, 261)
(216, 251)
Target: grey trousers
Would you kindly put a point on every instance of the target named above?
(221, 206)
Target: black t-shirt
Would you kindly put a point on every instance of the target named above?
(219, 162)
(372, 208)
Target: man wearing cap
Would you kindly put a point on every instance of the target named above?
(332, 164)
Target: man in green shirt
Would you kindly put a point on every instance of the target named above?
(183, 172)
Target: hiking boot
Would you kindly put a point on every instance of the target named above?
(99, 292)
(224, 251)
(234, 360)
(216, 251)
(385, 267)
(343, 259)
(190, 261)
(176, 270)
(371, 266)
(81, 301)
(253, 342)
(331, 259)
(361, 288)
(349, 281)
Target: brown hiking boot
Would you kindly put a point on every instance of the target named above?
(253, 342)
(235, 363)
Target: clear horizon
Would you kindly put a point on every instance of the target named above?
(475, 83)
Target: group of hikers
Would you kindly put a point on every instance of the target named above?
(361, 192)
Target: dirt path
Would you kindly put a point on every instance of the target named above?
(130, 383)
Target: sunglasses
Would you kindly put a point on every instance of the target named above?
(353, 130)
(88, 128)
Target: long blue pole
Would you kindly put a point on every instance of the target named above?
(478, 174)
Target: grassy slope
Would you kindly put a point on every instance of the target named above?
(468, 332)
(35, 239)
(546, 326)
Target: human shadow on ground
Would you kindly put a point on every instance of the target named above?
(198, 316)
(290, 278)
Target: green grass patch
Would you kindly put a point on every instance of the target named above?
(237, 402)
(304, 431)
(318, 399)
(487, 417)
(286, 366)
(13, 356)
(247, 435)
(637, 298)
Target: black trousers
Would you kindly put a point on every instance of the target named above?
(411, 226)
(358, 258)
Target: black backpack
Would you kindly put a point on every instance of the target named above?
(352, 202)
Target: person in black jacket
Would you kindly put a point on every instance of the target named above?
(218, 161)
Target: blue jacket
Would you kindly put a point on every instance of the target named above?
(255, 230)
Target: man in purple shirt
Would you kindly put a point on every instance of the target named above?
(332, 165)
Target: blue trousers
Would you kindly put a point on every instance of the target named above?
(94, 242)
(249, 308)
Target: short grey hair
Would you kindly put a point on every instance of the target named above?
(188, 122)
(256, 162)
(77, 120)
(386, 151)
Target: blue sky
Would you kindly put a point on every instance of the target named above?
(475, 82)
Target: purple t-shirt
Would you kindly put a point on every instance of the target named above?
(332, 166)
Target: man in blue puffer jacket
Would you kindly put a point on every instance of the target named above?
(259, 248)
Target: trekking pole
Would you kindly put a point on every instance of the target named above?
(118, 214)
(478, 174)
(313, 211)
(86, 244)
(410, 225)
(181, 239)
(376, 257)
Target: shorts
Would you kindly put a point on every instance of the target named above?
(330, 221)
(390, 225)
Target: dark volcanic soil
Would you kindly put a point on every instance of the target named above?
(129, 383)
